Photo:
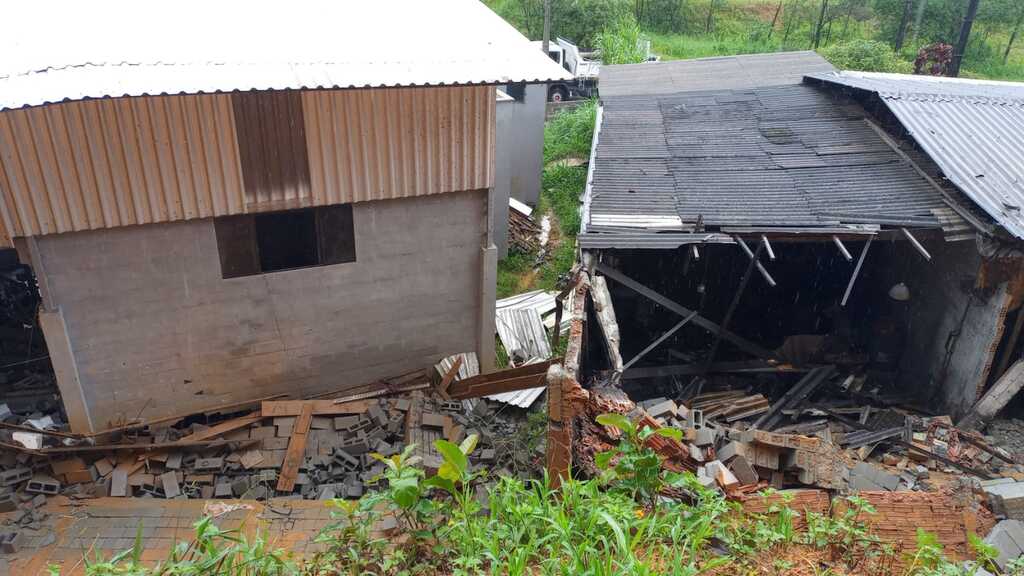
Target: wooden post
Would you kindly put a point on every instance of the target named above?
(559, 440)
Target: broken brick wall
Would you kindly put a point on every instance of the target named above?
(898, 515)
(154, 330)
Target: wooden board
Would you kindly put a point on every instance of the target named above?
(521, 378)
(224, 427)
(296, 449)
(275, 409)
(450, 376)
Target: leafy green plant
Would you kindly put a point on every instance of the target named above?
(622, 43)
(865, 55)
(212, 552)
(457, 479)
(350, 544)
(633, 466)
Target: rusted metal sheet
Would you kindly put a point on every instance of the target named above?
(107, 163)
(272, 146)
(118, 162)
(393, 143)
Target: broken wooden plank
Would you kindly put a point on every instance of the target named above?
(296, 449)
(501, 386)
(223, 427)
(502, 381)
(996, 397)
(797, 393)
(691, 369)
(279, 408)
(714, 328)
(449, 376)
(143, 423)
(136, 447)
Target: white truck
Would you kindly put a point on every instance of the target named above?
(584, 71)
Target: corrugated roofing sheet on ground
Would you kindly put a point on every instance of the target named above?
(70, 50)
(786, 156)
(972, 129)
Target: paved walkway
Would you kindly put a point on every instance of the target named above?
(109, 525)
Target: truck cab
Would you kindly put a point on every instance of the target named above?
(585, 71)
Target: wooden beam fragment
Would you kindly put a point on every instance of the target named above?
(278, 408)
(710, 326)
(842, 249)
(760, 267)
(223, 427)
(917, 245)
(856, 270)
(450, 376)
(296, 450)
(502, 380)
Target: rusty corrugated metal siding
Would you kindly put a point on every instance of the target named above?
(106, 163)
(117, 162)
(390, 143)
(272, 146)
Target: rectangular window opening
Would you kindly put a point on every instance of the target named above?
(251, 244)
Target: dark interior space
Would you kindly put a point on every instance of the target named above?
(286, 240)
(27, 384)
(811, 278)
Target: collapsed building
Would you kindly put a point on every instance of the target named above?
(797, 266)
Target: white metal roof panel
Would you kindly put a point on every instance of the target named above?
(972, 129)
(71, 50)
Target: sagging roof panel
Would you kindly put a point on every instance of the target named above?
(972, 129)
(68, 50)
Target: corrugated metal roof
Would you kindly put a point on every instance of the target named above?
(787, 156)
(71, 50)
(523, 334)
(973, 130)
(717, 73)
(645, 240)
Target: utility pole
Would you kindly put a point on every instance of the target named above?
(901, 34)
(965, 34)
(546, 39)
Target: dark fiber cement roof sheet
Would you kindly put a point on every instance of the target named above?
(778, 155)
(972, 129)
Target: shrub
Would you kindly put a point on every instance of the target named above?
(865, 55)
(622, 44)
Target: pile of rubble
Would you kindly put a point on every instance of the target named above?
(740, 442)
(284, 449)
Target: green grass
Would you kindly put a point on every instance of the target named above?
(569, 134)
(566, 137)
(684, 47)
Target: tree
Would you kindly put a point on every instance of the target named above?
(965, 35)
(578, 20)
(821, 24)
(1013, 36)
(901, 33)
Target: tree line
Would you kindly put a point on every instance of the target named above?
(906, 25)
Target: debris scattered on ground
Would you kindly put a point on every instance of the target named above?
(523, 231)
(317, 448)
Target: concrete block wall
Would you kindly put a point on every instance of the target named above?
(154, 330)
(952, 334)
(519, 152)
